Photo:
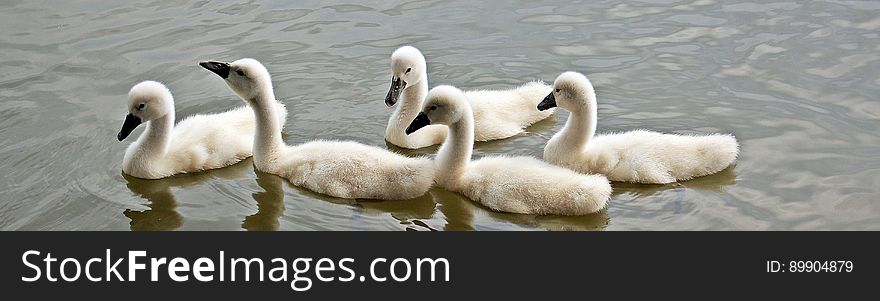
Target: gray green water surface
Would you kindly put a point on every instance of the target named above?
(796, 82)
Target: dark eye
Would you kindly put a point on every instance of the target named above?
(557, 90)
(408, 70)
(141, 106)
(239, 72)
(432, 108)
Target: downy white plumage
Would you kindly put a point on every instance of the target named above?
(638, 156)
(498, 114)
(509, 184)
(197, 143)
(336, 168)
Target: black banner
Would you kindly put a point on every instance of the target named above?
(463, 265)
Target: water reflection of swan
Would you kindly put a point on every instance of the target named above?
(460, 213)
(409, 213)
(270, 204)
(712, 183)
(162, 213)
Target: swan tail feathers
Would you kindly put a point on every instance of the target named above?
(710, 154)
(591, 195)
(725, 151)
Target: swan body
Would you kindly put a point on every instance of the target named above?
(337, 168)
(498, 114)
(196, 143)
(508, 184)
(639, 156)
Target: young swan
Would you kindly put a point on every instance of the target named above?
(639, 156)
(509, 184)
(197, 143)
(497, 114)
(336, 168)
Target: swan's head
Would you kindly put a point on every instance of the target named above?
(571, 91)
(246, 77)
(407, 69)
(147, 101)
(444, 105)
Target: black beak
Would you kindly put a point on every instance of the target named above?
(420, 122)
(131, 122)
(397, 85)
(220, 68)
(547, 103)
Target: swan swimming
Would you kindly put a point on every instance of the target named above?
(498, 114)
(340, 169)
(509, 184)
(638, 156)
(197, 143)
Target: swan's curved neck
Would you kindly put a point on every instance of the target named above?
(581, 124)
(156, 139)
(410, 105)
(455, 154)
(267, 138)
